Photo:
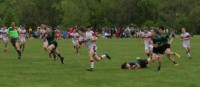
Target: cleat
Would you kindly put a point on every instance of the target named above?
(91, 69)
(138, 58)
(177, 55)
(62, 60)
(176, 64)
(107, 56)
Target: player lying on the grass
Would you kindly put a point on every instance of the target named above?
(75, 40)
(13, 34)
(89, 41)
(185, 37)
(52, 48)
(137, 64)
(4, 37)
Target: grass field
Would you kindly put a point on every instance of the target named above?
(35, 69)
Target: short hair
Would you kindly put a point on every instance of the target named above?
(123, 66)
(82, 29)
(162, 28)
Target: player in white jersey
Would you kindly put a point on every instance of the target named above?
(89, 41)
(185, 37)
(75, 40)
(146, 38)
(89, 31)
(22, 37)
(4, 37)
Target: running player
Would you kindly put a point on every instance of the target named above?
(146, 37)
(22, 37)
(52, 48)
(89, 40)
(75, 40)
(185, 37)
(4, 37)
(13, 34)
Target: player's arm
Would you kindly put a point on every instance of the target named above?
(170, 40)
(93, 38)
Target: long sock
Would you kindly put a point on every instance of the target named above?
(92, 64)
(54, 56)
(103, 56)
(174, 62)
(59, 55)
(19, 53)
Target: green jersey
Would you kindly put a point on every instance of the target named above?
(161, 40)
(51, 37)
(134, 63)
(12, 31)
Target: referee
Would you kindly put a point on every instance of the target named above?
(13, 34)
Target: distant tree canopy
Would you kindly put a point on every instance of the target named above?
(98, 13)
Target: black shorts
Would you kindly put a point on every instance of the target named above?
(143, 63)
(14, 41)
(158, 50)
(55, 44)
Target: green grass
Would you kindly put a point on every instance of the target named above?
(37, 70)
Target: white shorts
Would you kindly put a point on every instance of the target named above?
(92, 49)
(5, 38)
(75, 42)
(23, 39)
(46, 43)
(186, 44)
(150, 47)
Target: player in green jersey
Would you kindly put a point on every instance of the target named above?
(52, 47)
(13, 34)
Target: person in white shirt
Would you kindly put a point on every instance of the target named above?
(89, 41)
(146, 38)
(185, 37)
(4, 37)
(22, 37)
(75, 40)
(89, 30)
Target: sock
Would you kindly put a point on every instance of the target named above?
(92, 64)
(19, 53)
(174, 62)
(59, 55)
(54, 56)
(103, 56)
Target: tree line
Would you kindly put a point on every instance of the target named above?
(173, 14)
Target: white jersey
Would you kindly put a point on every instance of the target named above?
(4, 33)
(87, 40)
(42, 31)
(22, 33)
(90, 32)
(75, 38)
(186, 43)
(147, 40)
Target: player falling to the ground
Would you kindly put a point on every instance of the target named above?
(52, 48)
(13, 34)
(185, 37)
(137, 64)
(75, 40)
(146, 39)
(22, 37)
(90, 40)
(4, 37)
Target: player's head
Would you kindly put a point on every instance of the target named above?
(81, 31)
(125, 65)
(183, 30)
(161, 30)
(74, 30)
(48, 29)
(13, 24)
(145, 29)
